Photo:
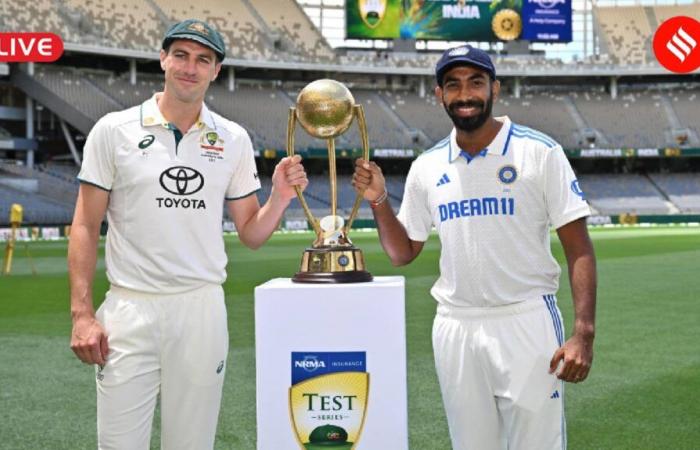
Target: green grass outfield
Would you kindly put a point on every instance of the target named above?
(643, 391)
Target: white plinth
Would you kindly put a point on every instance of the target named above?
(356, 317)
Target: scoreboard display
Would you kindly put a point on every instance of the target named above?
(459, 20)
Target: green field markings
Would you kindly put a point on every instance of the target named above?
(650, 413)
(237, 416)
(634, 231)
(642, 392)
(48, 396)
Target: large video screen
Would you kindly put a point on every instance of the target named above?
(459, 20)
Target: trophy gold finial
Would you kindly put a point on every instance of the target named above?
(325, 108)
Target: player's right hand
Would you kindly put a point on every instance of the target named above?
(89, 340)
(368, 180)
(289, 172)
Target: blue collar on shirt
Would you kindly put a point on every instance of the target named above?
(469, 157)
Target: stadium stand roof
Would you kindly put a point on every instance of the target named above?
(277, 34)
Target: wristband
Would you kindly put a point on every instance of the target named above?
(381, 199)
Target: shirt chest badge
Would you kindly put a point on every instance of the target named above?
(507, 174)
(212, 146)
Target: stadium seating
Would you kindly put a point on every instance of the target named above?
(623, 193)
(118, 87)
(299, 37)
(544, 111)
(634, 119)
(76, 90)
(665, 12)
(36, 209)
(685, 102)
(384, 130)
(395, 188)
(682, 188)
(400, 118)
(132, 24)
(52, 184)
(627, 33)
(66, 173)
(260, 108)
(420, 113)
(244, 36)
(44, 15)
(646, 113)
(551, 115)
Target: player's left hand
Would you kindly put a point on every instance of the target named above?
(288, 173)
(577, 356)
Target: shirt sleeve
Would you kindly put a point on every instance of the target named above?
(245, 178)
(563, 196)
(98, 157)
(414, 213)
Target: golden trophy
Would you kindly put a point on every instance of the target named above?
(325, 109)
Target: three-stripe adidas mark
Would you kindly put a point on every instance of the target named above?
(443, 180)
(555, 395)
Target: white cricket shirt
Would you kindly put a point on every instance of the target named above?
(493, 213)
(166, 202)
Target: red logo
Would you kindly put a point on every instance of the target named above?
(677, 44)
(26, 47)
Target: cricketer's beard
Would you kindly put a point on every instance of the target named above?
(470, 123)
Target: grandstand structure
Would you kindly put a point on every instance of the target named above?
(618, 99)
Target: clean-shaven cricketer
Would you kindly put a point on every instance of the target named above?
(493, 189)
(162, 172)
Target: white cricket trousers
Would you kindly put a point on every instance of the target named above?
(493, 369)
(172, 345)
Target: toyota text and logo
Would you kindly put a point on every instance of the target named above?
(181, 181)
(676, 44)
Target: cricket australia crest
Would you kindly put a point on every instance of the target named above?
(328, 399)
(212, 137)
(372, 11)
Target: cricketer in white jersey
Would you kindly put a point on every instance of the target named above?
(492, 189)
(161, 172)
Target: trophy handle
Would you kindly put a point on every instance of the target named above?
(291, 125)
(362, 124)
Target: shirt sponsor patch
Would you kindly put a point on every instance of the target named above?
(212, 146)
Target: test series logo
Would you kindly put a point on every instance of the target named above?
(30, 47)
(328, 399)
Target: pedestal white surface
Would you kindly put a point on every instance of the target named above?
(360, 317)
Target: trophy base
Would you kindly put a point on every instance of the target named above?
(332, 265)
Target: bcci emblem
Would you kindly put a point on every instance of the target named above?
(328, 405)
(372, 11)
(507, 24)
(507, 174)
(212, 137)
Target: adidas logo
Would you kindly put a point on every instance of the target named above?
(555, 395)
(443, 180)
